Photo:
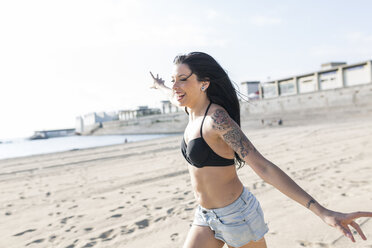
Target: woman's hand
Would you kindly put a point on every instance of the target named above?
(341, 221)
(158, 82)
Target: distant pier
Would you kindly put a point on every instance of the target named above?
(46, 134)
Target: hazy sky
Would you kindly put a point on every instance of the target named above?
(61, 59)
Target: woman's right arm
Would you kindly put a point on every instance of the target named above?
(159, 84)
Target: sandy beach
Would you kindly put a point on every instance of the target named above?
(139, 194)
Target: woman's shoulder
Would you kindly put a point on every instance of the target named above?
(215, 107)
(218, 118)
(217, 111)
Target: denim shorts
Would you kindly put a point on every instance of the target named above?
(236, 224)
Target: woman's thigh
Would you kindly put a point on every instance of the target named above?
(254, 244)
(202, 236)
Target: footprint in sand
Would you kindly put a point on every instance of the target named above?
(169, 211)
(64, 220)
(90, 244)
(69, 230)
(179, 198)
(120, 207)
(125, 230)
(116, 216)
(52, 237)
(103, 236)
(106, 234)
(88, 229)
(174, 236)
(304, 243)
(35, 241)
(142, 224)
(21, 233)
(160, 218)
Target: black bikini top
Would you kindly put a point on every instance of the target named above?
(199, 154)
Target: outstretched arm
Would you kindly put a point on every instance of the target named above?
(231, 133)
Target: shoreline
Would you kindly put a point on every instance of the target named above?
(41, 152)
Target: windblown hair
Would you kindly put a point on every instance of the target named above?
(220, 91)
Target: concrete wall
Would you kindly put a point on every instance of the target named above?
(356, 96)
(155, 124)
(295, 108)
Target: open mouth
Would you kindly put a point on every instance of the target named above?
(180, 97)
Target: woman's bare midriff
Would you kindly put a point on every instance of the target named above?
(215, 186)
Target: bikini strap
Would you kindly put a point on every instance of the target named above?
(201, 127)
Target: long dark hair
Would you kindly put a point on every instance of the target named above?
(220, 91)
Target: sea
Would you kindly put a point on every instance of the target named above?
(24, 147)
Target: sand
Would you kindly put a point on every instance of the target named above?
(139, 194)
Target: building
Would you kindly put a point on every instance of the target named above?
(331, 76)
(168, 107)
(91, 121)
(125, 115)
(251, 89)
(145, 110)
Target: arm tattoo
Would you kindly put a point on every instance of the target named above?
(309, 203)
(234, 137)
(221, 120)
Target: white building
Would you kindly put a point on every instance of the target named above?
(92, 120)
(331, 76)
(168, 107)
(251, 89)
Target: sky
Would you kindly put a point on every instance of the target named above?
(63, 59)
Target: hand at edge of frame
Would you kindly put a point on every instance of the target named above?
(341, 221)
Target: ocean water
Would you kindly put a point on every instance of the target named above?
(25, 147)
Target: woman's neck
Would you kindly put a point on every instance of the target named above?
(198, 109)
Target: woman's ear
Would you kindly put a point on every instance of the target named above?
(205, 85)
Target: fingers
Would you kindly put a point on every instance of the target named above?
(359, 214)
(358, 229)
(152, 75)
(157, 77)
(346, 231)
(349, 234)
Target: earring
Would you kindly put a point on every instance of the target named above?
(202, 88)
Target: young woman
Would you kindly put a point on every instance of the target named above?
(213, 144)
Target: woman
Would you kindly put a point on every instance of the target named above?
(213, 144)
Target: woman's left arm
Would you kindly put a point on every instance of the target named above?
(232, 134)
